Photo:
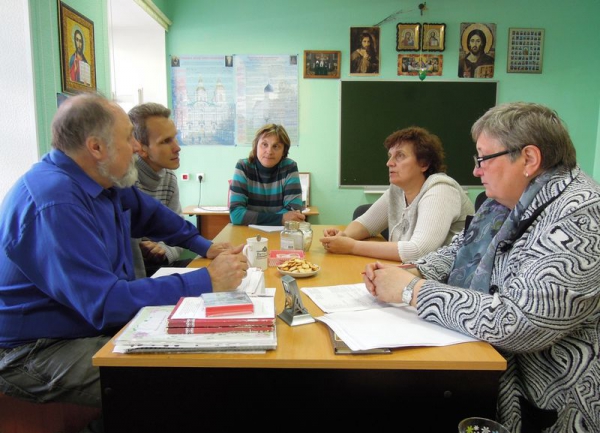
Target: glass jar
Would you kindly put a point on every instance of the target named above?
(291, 237)
(307, 234)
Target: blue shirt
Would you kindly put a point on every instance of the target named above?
(66, 268)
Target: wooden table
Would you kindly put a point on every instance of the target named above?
(210, 221)
(301, 381)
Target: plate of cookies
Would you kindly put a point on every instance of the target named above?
(298, 268)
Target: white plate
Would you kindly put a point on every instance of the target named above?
(299, 274)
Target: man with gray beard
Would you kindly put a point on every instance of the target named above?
(67, 279)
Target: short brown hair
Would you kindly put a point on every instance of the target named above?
(427, 147)
(271, 129)
(140, 114)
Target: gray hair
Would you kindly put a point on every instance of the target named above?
(80, 117)
(140, 113)
(518, 124)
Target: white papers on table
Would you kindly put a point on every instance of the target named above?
(253, 283)
(268, 229)
(170, 271)
(212, 209)
(345, 297)
(306, 210)
(364, 323)
(389, 327)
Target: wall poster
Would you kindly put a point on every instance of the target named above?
(224, 99)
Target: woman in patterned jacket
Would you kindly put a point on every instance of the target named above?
(525, 275)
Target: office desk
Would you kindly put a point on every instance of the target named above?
(211, 222)
(302, 379)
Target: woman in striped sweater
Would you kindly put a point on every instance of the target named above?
(265, 188)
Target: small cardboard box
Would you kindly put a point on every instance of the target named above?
(277, 257)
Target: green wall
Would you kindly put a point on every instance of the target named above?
(569, 81)
(46, 56)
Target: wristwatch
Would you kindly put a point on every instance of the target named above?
(407, 293)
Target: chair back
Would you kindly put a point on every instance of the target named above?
(361, 210)
(481, 197)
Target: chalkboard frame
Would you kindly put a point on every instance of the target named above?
(372, 110)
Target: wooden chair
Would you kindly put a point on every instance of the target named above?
(20, 416)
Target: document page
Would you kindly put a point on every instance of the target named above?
(168, 270)
(253, 283)
(345, 297)
(389, 327)
(212, 209)
(268, 229)
(364, 323)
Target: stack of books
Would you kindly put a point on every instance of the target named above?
(222, 303)
(185, 327)
(222, 312)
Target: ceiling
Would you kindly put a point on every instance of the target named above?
(127, 14)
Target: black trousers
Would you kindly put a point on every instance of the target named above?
(535, 420)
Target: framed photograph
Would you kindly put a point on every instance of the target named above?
(434, 37)
(322, 64)
(411, 64)
(525, 51)
(77, 58)
(364, 49)
(408, 37)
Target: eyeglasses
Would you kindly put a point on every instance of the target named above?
(479, 159)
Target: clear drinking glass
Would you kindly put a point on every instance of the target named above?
(307, 234)
(480, 425)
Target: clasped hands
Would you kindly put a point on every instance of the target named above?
(364, 53)
(386, 281)
(152, 251)
(336, 241)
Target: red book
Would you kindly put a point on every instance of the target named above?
(224, 303)
(209, 323)
(217, 329)
(190, 313)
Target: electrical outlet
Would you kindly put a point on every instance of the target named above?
(184, 177)
(201, 177)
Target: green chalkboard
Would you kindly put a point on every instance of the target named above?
(372, 110)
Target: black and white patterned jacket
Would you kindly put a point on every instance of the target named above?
(543, 313)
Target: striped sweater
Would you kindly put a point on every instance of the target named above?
(260, 195)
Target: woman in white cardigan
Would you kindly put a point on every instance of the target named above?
(423, 207)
